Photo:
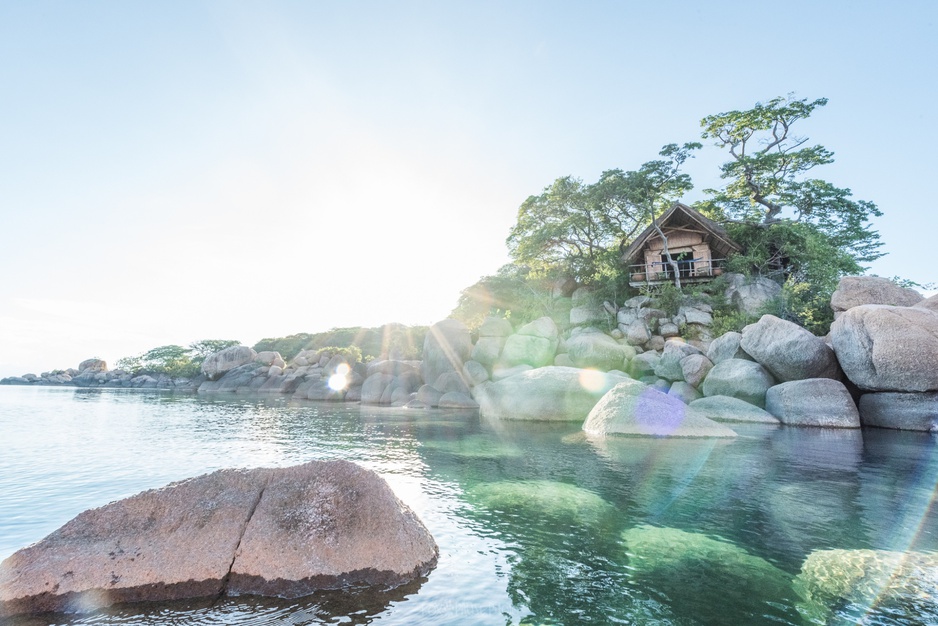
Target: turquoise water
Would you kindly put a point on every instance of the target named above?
(536, 524)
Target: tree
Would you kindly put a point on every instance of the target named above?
(171, 360)
(207, 347)
(579, 231)
(574, 230)
(511, 292)
(803, 231)
(768, 178)
(655, 186)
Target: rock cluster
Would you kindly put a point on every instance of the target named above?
(285, 532)
(647, 327)
(94, 373)
(884, 341)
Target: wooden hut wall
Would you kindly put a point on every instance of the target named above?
(678, 241)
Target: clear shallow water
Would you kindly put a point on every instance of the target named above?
(536, 524)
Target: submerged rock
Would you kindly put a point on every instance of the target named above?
(829, 578)
(686, 566)
(543, 499)
(285, 531)
(635, 409)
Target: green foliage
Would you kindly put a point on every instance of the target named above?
(804, 304)
(911, 284)
(767, 179)
(568, 231)
(514, 292)
(207, 347)
(172, 360)
(666, 297)
(130, 364)
(808, 261)
(791, 249)
(579, 231)
(391, 340)
(352, 353)
(729, 319)
(670, 299)
(288, 346)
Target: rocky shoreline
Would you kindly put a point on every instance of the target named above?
(878, 366)
(240, 529)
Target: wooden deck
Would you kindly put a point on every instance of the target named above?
(691, 273)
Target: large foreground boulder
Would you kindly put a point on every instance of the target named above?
(788, 351)
(888, 348)
(546, 394)
(813, 402)
(216, 365)
(902, 411)
(286, 531)
(635, 409)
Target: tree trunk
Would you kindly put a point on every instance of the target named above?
(667, 255)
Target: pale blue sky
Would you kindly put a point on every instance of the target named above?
(173, 171)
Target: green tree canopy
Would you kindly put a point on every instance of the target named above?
(768, 181)
(511, 292)
(800, 230)
(207, 347)
(579, 231)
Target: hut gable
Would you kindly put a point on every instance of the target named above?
(697, 243)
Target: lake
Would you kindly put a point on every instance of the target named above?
(536, 523)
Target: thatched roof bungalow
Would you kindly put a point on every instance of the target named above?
(698, 245)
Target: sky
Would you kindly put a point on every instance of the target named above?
(183, 170)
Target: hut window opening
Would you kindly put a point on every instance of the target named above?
(685, 264)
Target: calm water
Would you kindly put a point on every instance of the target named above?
(536, 524)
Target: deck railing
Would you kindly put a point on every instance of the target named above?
(699, 269)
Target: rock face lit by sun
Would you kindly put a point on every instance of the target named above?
(339, 380)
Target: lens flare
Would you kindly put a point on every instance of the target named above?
(339, 380)
(592, 380)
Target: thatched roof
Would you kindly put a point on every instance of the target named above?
(681, 216)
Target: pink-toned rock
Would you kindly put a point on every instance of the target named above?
(325, 525)
(174, 542)
(284, 531)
